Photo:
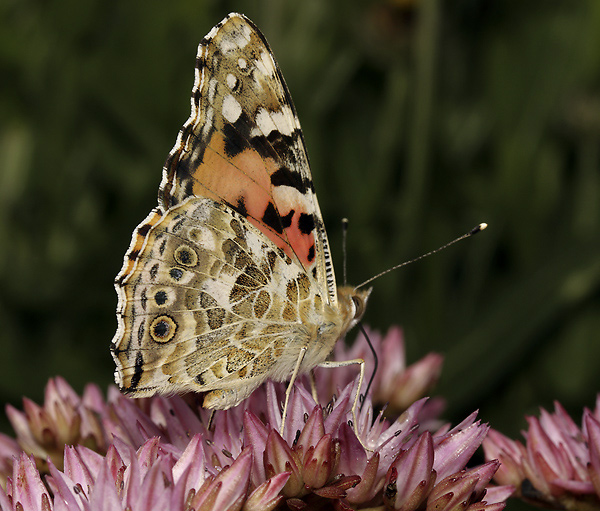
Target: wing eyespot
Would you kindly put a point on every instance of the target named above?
(186, 256)
(163, 329)
(176, 274)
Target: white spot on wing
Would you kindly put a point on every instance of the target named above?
(231, 81)
(198, 76)
(213, 31)
(231, 108)
(236, 39)
(265, 64)
(212, 89)
(202, 209)
(264, 121)
(205, 238)
(208, 123)
(285, 120)
(245, 31)
(242, 63)
(218, 291)
(227, 45)
(289, 195)
(282, 120)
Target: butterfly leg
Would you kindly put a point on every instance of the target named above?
(288, 391)
(345, 363)
(210, 419)
(313, 386)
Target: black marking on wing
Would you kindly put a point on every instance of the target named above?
(189, 188)
(272, 219)
(163, 245)
(286, 220)
(141, 332)
(176, 273)
(306, 223)
(143, 230)
(283, 176)
(240, 207)
(237, 136)
(133, 255)
(160, 297)
(197, 94)
(137, 371)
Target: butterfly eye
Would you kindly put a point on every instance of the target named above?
(359, 306)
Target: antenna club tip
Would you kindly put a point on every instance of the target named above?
(478, 228)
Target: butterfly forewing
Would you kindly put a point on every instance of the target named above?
(243, 145)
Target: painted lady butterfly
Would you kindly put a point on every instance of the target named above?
(229, 281)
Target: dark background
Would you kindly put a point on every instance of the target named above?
(422, 119)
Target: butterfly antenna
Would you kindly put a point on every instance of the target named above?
(375, 358)
(344, 252)
(472, 232)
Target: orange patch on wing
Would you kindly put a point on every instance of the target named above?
(246, 178)
(230, 179)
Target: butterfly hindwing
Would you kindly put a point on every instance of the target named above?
(203, 308)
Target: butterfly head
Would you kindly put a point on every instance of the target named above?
(353, 303)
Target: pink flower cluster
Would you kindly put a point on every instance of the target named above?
(559, 465)
(162, 455)
(85, 453)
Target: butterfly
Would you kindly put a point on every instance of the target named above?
(229, 281)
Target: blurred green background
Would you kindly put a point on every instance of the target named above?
(422, 119)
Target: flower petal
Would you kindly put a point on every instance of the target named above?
(191, 465)
(509, 453)
(104, 494)
(319, 462)
(255, 437)
(455, 448)
(592, 426)
(411, 475)
(268, 495)
(313, 429)
(498, 494)
(64, 490)
(279, 458)
(27, 487)
(231, 486)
